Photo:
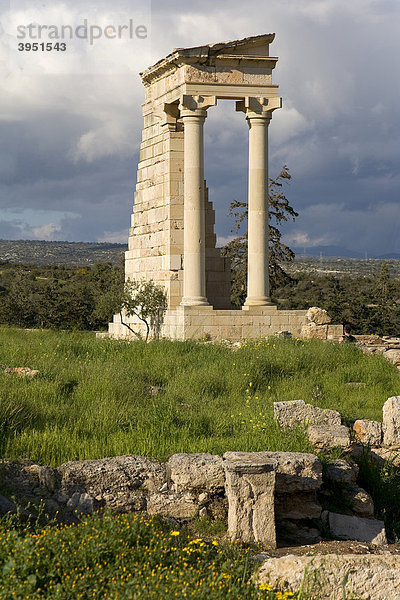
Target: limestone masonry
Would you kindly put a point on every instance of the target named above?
(172, 239)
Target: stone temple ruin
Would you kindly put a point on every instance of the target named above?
(172, 239)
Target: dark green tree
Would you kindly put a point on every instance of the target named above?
(280, 211)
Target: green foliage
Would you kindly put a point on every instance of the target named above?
(59, 297)
(369, 304)
(98, 398)
(145, 300)
(382, 481)
(123, 557)
(279, 211)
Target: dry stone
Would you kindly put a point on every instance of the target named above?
(297, 506)
(359, 501)
(250, 487)
(348, 527)
(393, 356)
(297, 412)
(328, 436)
(120, 483)
(171, 506)
(314, 332)
(316, 315)
(196, 471)
(295, 471)
(391, 421)
(21, 371)
(341, 471)
(369, 576)
(368, 432)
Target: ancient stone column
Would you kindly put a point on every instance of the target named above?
(257, 270)
(258, 114)
(193, 114)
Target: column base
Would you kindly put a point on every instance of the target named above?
(195, 301)
(263, 301)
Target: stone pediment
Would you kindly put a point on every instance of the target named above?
(253, 51)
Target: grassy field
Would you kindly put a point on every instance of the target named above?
(124, 557)
(97, 398)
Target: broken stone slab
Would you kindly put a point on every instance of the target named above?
(391, 421)
(393, 356)
(295, 471)
(21, 371)
(328, 436)
(6, 506)
(359, 501)
(250, 488)
(368, 432)
(365, 576)
(314, 332)
(121, 483)
(297, 506)
(195, 471)
(349, 527)
(171, 506)
(341, 471)
(382, 455)
(317, 315)
(297, 412)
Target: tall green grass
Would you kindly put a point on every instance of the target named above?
(96, 398)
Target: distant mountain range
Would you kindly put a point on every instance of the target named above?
(60, 253)
(88, 253)
(338, 251)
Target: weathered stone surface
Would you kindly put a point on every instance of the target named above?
(250, 487)
(328, 436)
(348, 527)
(196, 471)
(368, 432)
(313, 331)
(369, 576)
(297, 412)
(295, 471)
(382, 455)
(341, 471)
(121, 482)
(316, 315)
(171, 506)
(6, 505)
(21, 371)
(360, 501)
(391, 421)
(297, 506)
(393, 356)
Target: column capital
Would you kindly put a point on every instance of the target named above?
(191, 104)
(258, 107)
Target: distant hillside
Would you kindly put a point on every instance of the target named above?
(60, 253)
(340, 252)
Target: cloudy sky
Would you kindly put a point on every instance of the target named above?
(71, 121)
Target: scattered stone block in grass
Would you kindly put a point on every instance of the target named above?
(374, 576)
(391, 421)
(328, 436)
(349, 527)
(297, 412)
(368, 432)
(341, 471)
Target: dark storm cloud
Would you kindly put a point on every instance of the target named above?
(70, 143)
